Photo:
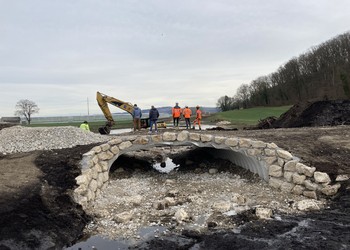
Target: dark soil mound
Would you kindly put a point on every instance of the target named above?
(311, 114)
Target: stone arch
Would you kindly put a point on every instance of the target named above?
(276, 166)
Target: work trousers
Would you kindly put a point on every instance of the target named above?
(137, 124)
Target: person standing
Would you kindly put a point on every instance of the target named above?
(153, 117)
(176, 111)
(137, 114)
(198, 118)
(187, 114)
(85, 126)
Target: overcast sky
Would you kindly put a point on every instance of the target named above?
(58, 53)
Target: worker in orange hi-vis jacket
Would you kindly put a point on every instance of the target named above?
(198, 118)
(187, 114)
(176, 110)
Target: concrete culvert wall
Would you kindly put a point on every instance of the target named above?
(276, 166)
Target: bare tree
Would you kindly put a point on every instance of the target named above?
(26, 108)
(225, 103)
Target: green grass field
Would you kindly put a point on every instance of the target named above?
(238, 118)
(247, 117)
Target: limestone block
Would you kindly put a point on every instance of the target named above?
(96, 149)
(206, 138)
(105, 177)
(310, 194)
(195, 136)
(303, 169)
(311, 185)
(298, 189)
(263, 213)
(275, 171)
(308, 205)
(321, 177)
(167, 136)
(170, 201)
(284, 154)
(221, 206)
(98, 167)
(90, 195)
(105, 147)
(125, 145)
(95, 159)
(287, 187)
(81, 190)
(105, 155)
(181, 215)
(290, 166)
(115, 149)
(89, 154)
(97, 193)
(245, 143)
(342, 177)
(275, 182)
(269, 152)
(115, 141)
(330, 189)
(219, 139)
(254, 152)
(104, 165)
(123, 217)
(100, 180)
(135, 200)
(271, 145)
(94, 173)
(239, 199)
(183, 136)
(232, 142)
(80, 199)
(270, 160)
(258, 144)
(298, 179)
(288, 176)
(143, 140)
(157, 138)
(81, 179)
(93, 185)
(280, 162)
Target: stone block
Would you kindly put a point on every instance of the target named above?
(258, 144)
(269, 152)
(310, 194)
(305, 170)
(125, 145)
(298, 189)
(330, 189)
(115, 150)
(311, 185)
(254, 152)
(105, 146)
(342, 177)
(195, 137)
(321, 177)
(81, 179)
(219, 139)
(123, 217)
(168, 136)
(96, 149)
(115, 141)
(290, 166)
(287, 187)
(157, 138)
(271, 145)
(142, 140)
(284, 154)
(245, 143)
(183, 136)
(263, 213)
(221, 206)
(93, 185)
(288, 176)
(104, 165)
(206, 138)
(105, 155)
(270, 160)
(275, 182)
(275, 171)
(232, 142)
(298, 179)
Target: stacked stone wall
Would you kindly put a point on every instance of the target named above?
(278, 167)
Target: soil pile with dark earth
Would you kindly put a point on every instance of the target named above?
(320, 113)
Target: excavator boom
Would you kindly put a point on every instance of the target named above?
(103, 101)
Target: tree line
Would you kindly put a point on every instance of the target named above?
(323, 72)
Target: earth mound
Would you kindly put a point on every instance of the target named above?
(312, 114)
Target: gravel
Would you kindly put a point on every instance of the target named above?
(18, 139)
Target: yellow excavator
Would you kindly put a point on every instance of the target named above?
(103, 101)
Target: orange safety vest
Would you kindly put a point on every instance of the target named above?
(199, 114)
(176, 112)
(187, 113)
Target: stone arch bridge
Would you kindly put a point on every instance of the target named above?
(276, 166)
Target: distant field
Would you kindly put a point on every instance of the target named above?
(247, 117)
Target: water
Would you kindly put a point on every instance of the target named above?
(165, 167)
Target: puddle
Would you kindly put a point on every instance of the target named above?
(165, 167)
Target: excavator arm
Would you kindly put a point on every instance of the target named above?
(103, 101)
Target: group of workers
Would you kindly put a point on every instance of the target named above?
(177, 112)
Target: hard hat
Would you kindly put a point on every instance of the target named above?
(197, 106)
